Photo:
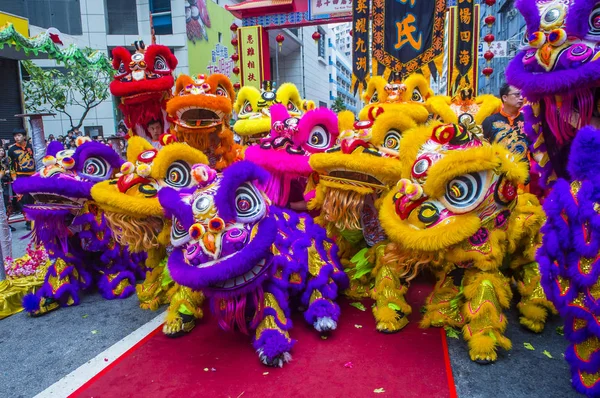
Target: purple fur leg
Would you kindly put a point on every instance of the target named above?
(31, 303)
(323, 314)
(108, 285)
(274, 347)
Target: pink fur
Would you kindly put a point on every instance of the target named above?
(280, 161)
(321, 116)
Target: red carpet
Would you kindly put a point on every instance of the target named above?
(412, 363)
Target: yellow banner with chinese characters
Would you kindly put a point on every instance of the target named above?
(250, 49)
(463, 43)
(20, 24)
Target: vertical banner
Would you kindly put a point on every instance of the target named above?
(408, 34)
(251, 55)
(360, 44)
(463, 45)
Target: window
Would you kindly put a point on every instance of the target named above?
(322, 44)
(93, 131)
(161, 16)
(122, 17)
(220, 37)
(63, 15)
(322, 104)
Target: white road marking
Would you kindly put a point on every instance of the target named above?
(77, 378)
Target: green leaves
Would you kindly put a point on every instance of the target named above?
(528, 346)
(451, 332)
(358, 305)
(546, 353)
(65, 89)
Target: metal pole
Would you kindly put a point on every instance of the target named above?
(38, 140)
(277, 65)
(5, 237)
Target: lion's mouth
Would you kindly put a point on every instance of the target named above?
(199, 117)
(354, 176)
(50, 201)
(233, 283)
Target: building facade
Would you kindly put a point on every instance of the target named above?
(510, 28)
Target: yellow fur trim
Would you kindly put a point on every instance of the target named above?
(345, 187)
(170, 153)
(452, 232)
(248, 127)
(411, 144)
(289, 92)
(135, 146)
(345, 120)
(400, 118)
(109, 198)
(486, 157)
(250, 94)
(386, 170)
(417, 81)
(488, 106)
(440, 106)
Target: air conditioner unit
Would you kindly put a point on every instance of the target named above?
(512, 14)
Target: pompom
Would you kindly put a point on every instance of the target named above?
(82, 140)
(68, 163)
(196, 231)
(144, 170)
(127, 168)
(49, 160)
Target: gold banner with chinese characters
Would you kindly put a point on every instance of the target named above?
(250, 49)
(408, 36)
(462, 46)
(360, 44)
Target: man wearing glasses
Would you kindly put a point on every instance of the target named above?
(506, 126)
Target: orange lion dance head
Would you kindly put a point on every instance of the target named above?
(200, 112)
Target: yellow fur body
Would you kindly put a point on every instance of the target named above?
(473, 242)
(143, 210)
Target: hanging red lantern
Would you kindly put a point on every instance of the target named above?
(490, 20)
(488, 55)
(233, 27)
(235, 57)
(350, 33)
(234, 42)
(237, 85)
(487, 71)
(280, 39)
(236, 70)
(316, 36)
(490, 2)
(489, 38)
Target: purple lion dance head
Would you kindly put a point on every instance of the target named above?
(248, 257)
(559, 74)
(73, 229)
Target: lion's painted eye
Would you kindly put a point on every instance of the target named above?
(96, 167)
(221, 92)
(246, 108)
(202, 204)
(464, 193)
(179, 233)
(249, 203)
(594, 22)
(179, 175)
(319, 138)
(392, 140)
(292, 108)
(416, 96)
(374, 98)
(160, 65)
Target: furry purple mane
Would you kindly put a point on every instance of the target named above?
(529, 11)
(233, 176)
(96, 149)
(59, 185)
(171, 202)
(54, 147)
(568, 257)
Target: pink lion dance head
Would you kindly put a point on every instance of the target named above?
(285, 152)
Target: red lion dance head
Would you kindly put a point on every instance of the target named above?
(143, 82)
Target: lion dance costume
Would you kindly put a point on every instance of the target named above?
(143, 81)
(252, 107)
(131, 207)
(559, 74)
(457, 210)
(351, 178)
(200, 111)
(250, 258)
(285, 153)
(73, 230)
